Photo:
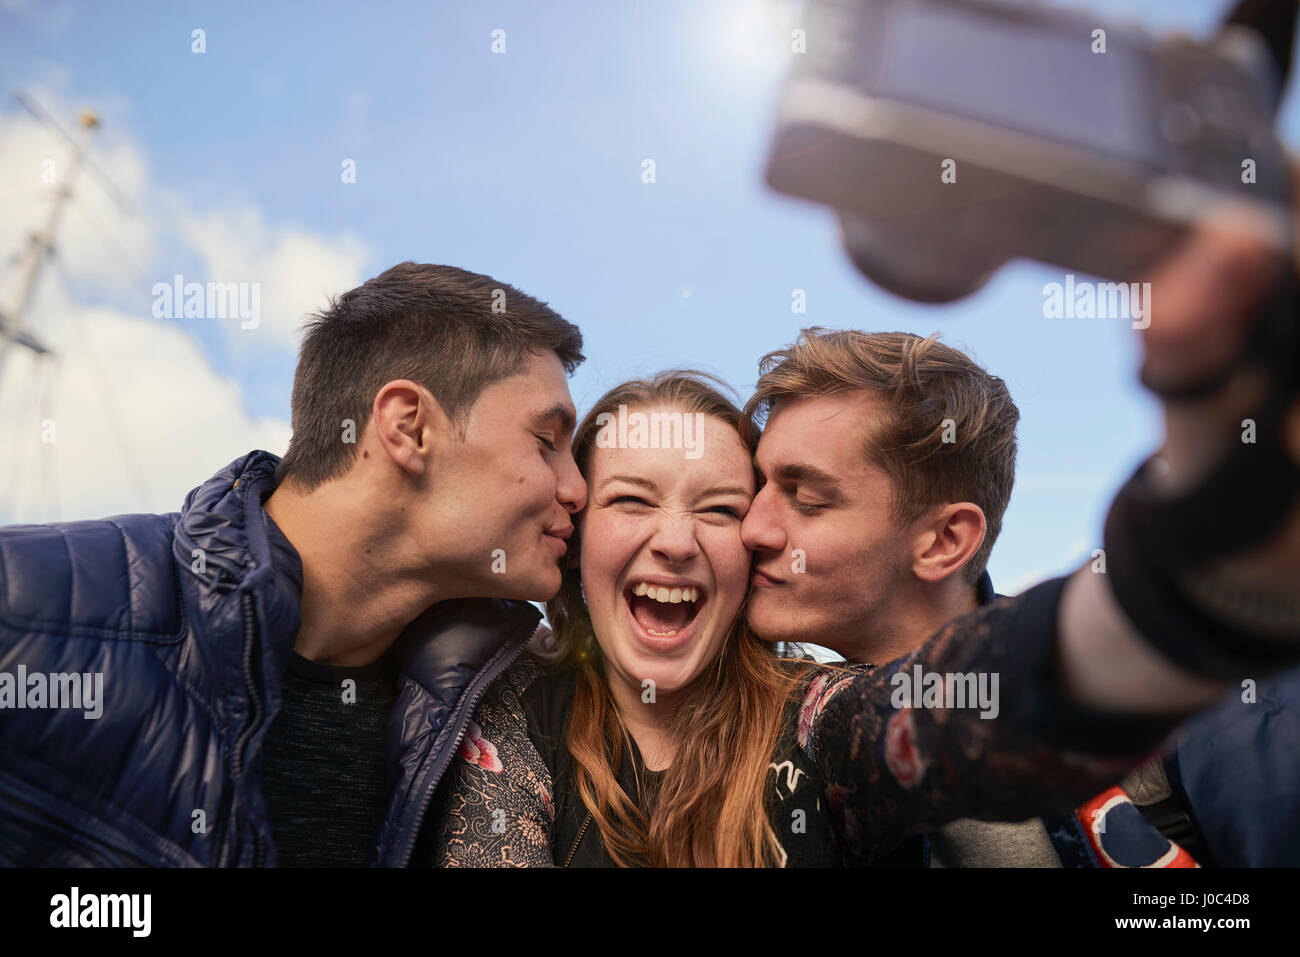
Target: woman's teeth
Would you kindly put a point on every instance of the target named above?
(663, 612)
(671, 595)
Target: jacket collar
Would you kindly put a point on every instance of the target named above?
(224, 519)
(223, 522)
(451, 641)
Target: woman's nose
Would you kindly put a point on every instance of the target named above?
(674, 539)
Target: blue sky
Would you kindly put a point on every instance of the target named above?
(525, 166)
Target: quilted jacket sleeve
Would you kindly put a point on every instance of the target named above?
(495, 808)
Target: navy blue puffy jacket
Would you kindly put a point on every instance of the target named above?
(1238, 769)
(191, 666)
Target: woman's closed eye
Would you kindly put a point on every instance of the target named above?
(636, 501)
(629, 500)
(728, 511)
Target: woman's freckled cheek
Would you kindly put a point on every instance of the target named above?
(611, 546)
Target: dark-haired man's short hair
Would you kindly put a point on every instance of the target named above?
(452, 331)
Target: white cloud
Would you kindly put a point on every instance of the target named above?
(297, 271)
(140, 415)
(139, 418)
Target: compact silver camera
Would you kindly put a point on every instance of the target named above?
(955, 135)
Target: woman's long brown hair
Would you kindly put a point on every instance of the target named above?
(710, 809)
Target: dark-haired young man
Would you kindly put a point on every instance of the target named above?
(283, 669)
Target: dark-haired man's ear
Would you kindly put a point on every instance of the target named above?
(409, 425)
(947, 539)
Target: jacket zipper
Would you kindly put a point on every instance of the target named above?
(506, 657)
(577, 841)
(254, 707)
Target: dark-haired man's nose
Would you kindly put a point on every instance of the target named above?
(571, 489)
(761, 531)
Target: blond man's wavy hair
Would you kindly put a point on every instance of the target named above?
(926, 389)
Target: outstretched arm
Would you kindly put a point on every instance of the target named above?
(1208, 298)
(971, 724)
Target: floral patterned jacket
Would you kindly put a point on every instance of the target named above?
(868, 762)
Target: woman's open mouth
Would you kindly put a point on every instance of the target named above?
(663, 611)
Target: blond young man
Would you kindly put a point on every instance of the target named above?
(885, 466)
(896, 457)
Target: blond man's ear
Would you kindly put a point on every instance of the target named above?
(946, 540)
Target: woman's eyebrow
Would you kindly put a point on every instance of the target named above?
(637, 480)
(726, 490)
